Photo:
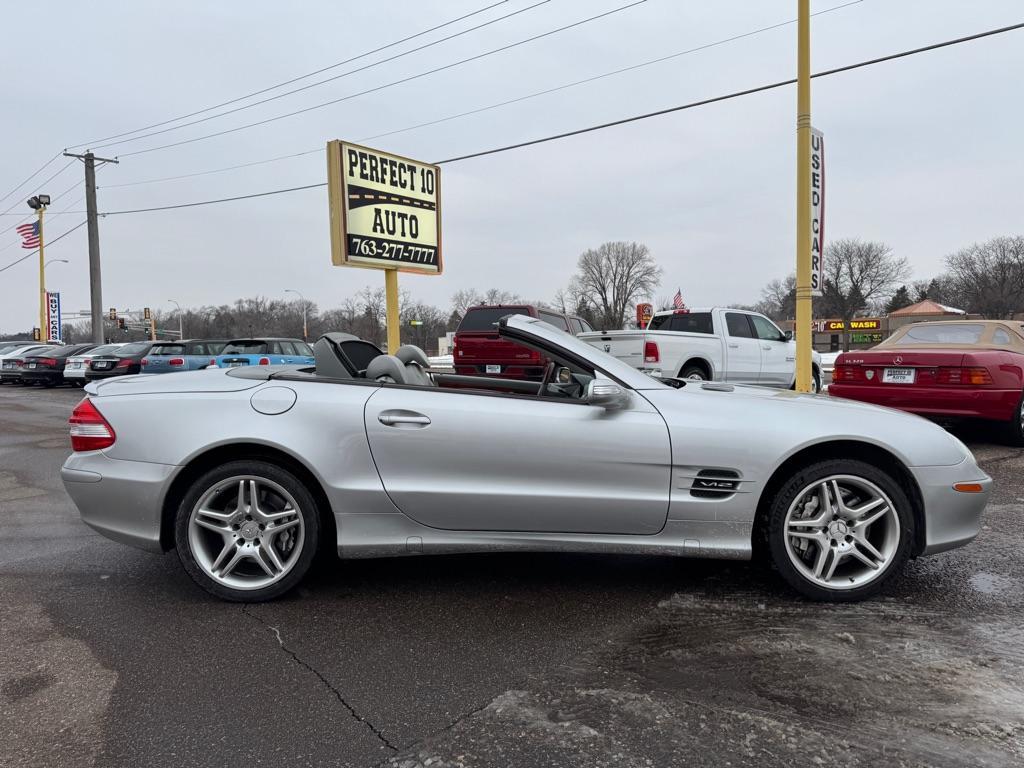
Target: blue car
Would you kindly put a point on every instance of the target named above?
(265, 352)
(188, 355)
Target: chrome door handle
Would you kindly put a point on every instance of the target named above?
(766, 346)
(394, 418)
(734, 346)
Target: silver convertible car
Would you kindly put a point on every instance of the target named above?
(249, 472)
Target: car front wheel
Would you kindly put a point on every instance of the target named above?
(839, 529)
(247, 531)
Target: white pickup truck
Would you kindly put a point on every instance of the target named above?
(716, 344)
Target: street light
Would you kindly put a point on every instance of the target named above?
(181, 327)
(305, 332)
(51, 261)
(38, 204)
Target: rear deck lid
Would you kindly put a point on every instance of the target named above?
(211, 380)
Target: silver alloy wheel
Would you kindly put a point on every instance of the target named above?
(246, 532)
(842, 532)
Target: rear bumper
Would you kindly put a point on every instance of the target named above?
(952, 518)
(10, 376)
(120, 499)
(46, 377)
(990, 404)
(92, 375)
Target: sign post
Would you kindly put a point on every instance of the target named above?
(385, 214)
(803, 198)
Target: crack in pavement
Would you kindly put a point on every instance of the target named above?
(306, 665)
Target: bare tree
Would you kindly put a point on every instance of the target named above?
(778, 299)
(470, 297)
(989, 277)
(613, 277)
(859, 273)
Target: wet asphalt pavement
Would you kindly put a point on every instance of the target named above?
(112, 657)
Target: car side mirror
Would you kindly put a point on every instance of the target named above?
(788, 335)
(606, 394)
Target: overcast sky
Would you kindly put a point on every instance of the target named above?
(924, 153)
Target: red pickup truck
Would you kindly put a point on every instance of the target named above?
(479, 352)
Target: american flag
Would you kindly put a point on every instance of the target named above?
(29, 235)
(677, 300)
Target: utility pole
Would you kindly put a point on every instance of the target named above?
(95, 284)
(804, 332)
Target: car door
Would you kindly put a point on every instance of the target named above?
(742, 350)
(463, 460)
(777, 355)
(284, 352)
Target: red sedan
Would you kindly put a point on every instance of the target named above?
(970, 369)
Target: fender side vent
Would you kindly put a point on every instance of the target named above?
(715, 483)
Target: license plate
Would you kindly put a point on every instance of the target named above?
(492, 368)
(31, 365)
(75, 366)
(100, 366)
(898, 375)
(235, 365)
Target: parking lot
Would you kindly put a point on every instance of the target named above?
(114, 657)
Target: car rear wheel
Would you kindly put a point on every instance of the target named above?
(247, 531)
(1013, 430)
(693, 373)
(839, 529)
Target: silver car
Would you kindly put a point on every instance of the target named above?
(247, 471)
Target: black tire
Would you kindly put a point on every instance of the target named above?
(1013, 430)
(817, 383)
(259, 469)
(694, 372)
(787, 495)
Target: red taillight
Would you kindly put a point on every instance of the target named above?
(124, 362)
(176, 361)
(89, 430)
(651, 353)
(47, 361)
(212, 361)
(976, 376)
(264, 361)
(144, 361)
(848, 373)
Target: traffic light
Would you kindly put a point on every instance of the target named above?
(146, 314)
(36, 336)
(122, 324)
(112, 313)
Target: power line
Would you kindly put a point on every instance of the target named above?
(26, 181)
(51, 242)
(623, 121)
(327, 80)
(41, 184)
(294, 79)
(410, 78)
(497, 105)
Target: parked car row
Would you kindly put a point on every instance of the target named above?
(51, 365)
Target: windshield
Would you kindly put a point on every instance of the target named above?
(958, 333)
(245, 347)
(548, 335)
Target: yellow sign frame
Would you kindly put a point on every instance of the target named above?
(338, 198)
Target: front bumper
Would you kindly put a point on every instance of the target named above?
(952, 518)
(120, 499)
(956, 402)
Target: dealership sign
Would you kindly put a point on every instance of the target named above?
(53, 316)
(385, 210)
(817, 211)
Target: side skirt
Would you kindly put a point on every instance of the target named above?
(391, 535)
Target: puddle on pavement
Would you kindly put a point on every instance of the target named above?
(990, 583)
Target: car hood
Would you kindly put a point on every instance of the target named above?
(211, 380)
(786, 421)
